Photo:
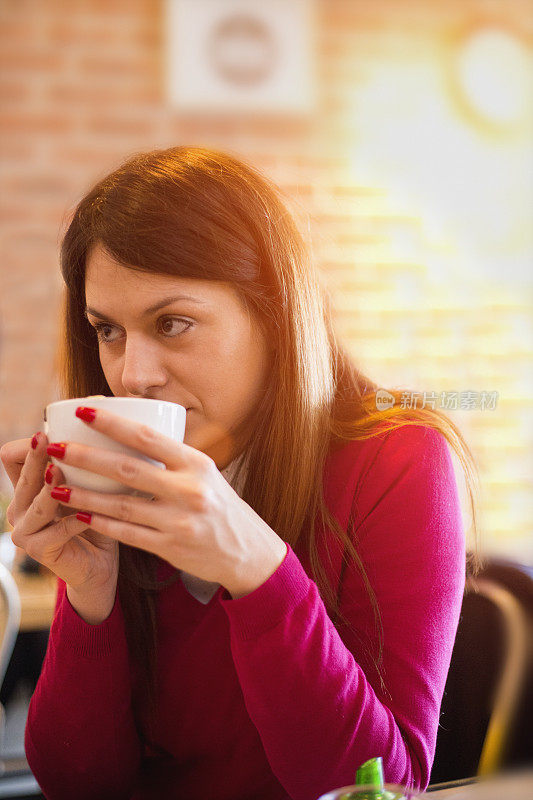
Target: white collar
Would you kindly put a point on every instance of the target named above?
(229, 473)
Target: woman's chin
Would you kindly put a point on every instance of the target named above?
(196, 435)
(209, 439)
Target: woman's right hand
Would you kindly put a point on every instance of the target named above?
(86, 560)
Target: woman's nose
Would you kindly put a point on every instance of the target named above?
(142, 368)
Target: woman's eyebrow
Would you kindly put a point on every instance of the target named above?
(151, 309)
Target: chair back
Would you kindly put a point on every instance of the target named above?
(9, 617)
(486, 710)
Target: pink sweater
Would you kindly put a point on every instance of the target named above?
(263, 697)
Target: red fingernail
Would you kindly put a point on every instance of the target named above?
(85, 413)
(56, 449)
(61, 493)
(35, 441)
(83, 516)
(48, 475)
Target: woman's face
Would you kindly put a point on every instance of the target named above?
(203, 351)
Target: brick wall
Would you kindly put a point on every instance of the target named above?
(82, 86)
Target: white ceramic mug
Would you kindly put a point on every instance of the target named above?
(62, 425)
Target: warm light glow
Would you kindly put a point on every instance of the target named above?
(471, 191)
(495, 72)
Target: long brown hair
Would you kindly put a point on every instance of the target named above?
(201, 213)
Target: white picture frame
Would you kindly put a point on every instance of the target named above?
(245, 56)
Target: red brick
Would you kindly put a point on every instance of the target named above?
(22, 60)
(119, 126)
(102, 95)
(35, 123)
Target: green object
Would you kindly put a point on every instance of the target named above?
(370, 774)
(369, 785)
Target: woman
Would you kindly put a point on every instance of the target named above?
(288, 600)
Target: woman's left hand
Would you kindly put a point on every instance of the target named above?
(195, 520)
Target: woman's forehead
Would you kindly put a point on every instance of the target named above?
(109, 283)
(104, 278)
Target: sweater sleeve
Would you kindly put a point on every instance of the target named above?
(313, 691)
(80, 736)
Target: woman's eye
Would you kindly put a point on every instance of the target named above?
(169, 326)
(104, 332)
(172, 326)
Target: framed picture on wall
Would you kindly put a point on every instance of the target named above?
(241, 56)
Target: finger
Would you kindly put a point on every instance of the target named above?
(141, 437)
(123, 507)
(46, 544)
(43, 508)
(13, 454)
(31, 478)
(139, 536)
(128, 470)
